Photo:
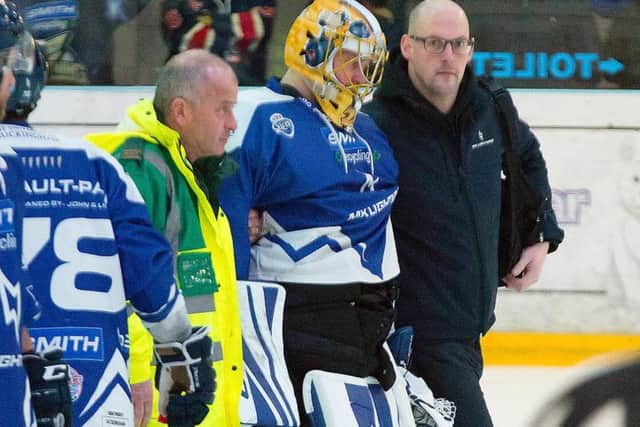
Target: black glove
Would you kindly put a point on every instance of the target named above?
(185, 379)
(50, 394)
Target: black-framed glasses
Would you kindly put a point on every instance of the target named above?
(436, 45)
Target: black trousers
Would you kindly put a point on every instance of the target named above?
(452, 369)
(337, 328)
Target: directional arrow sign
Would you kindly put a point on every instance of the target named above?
(611, 66)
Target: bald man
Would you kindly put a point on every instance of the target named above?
(447, 139)
(175, 153)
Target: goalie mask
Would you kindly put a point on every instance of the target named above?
(329, 43)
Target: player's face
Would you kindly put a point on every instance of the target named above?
(348, 68)
(213, 119)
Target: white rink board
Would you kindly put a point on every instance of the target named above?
(591, 141)
(592, 283)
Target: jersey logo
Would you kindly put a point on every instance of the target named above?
(78, 343)
(369, 182)
(373, 209)
(76, 381)
(338, 137)
(348, 149)
(55, 372)
(282, 125)
(481, 141)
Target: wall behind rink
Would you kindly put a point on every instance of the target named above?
(591, 140)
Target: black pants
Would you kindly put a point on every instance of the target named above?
(337, 328)
(452, 369)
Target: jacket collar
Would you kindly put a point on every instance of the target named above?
(145, 119)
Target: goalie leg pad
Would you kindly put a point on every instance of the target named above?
(332, 399)
(49, 382)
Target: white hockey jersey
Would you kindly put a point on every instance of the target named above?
(89, 247)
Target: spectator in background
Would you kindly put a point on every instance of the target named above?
(253, 29)
(390, 14)
(77, 35)
(175, 154)
(447, 138)
(190, 24)
(238, 31)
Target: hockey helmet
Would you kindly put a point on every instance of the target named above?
(334, 35)
(30, 71)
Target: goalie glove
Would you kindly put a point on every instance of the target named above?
(185, 379)
(50, 394)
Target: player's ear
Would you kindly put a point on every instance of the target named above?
(179, 111)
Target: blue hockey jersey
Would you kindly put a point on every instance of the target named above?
(15, 302)
(325, 193)
(89, 247)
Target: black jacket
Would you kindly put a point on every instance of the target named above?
(446, 216)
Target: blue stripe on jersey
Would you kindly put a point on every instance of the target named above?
(308, 249)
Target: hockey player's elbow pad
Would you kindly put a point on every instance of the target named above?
(185, 379)
(50, 394)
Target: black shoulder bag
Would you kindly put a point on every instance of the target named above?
(522, 205)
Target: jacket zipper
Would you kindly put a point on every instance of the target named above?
(465, 191)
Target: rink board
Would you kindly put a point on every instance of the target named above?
(590, 288)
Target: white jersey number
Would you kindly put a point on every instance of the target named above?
(66, 236)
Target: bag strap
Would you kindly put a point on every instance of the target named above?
(506, 110)
(509, 120)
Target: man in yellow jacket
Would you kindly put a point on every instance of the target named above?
(175, 154)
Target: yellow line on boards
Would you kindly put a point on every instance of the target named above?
(551, 349)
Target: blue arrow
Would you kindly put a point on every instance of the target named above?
(611, 66)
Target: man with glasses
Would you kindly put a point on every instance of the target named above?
(447, 139)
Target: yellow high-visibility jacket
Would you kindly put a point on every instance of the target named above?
(205, 268)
